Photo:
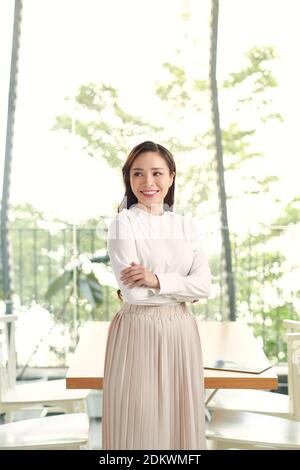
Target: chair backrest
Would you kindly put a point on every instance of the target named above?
(291, 325)
(293, 344)
(7, 353)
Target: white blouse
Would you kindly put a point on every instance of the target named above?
(169, 246)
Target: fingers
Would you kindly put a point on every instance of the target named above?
(129, 276)
(133, 266)
(131, 272)
(137, 284)
(133, 278)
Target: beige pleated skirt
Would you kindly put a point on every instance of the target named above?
(153, 390)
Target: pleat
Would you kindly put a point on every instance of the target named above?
(153, 390)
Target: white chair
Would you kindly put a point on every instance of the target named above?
(240, 429)
(243, 430)
(291, 325)
(260, 401)
(14, 397)
(69, 431)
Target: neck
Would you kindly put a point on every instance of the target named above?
(154, 209)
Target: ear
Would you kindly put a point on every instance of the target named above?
(172, 178)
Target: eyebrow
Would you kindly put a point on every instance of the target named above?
(151, 169)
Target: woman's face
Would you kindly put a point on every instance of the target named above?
(150, 179)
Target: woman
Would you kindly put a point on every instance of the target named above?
(153, 392)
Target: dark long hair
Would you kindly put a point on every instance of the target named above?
(129, 198)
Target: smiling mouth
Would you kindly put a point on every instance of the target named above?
(149, 193)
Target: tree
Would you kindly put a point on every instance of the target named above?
(219, 161)
(5, 240)
(185, 97)
(104, 127)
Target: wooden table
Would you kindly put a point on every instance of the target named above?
(226, 340)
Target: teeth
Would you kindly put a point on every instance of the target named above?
(149, 192)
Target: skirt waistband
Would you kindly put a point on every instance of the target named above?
(159, 308)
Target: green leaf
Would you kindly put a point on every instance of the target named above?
(91, 290)
(59, 284)
(100, 259)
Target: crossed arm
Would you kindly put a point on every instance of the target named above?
(140, 284)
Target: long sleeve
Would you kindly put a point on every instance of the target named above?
(197, 284)
(122, 251)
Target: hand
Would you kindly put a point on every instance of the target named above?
(139, 276)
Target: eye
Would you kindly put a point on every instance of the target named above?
(139, 173)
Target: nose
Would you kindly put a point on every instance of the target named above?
(148, 179)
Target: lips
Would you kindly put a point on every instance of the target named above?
(149, 193)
